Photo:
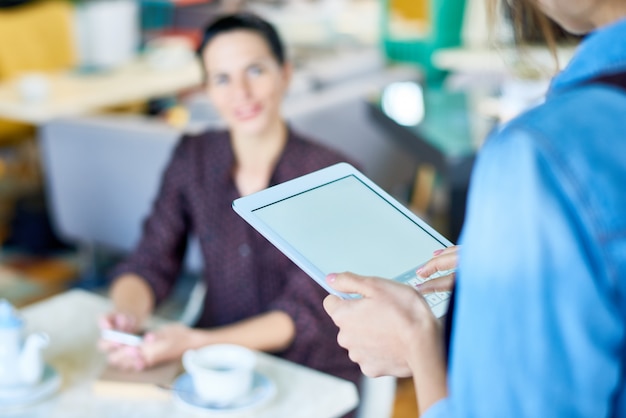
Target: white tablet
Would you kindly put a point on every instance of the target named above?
(335, 220)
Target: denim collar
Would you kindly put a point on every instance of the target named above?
(601, 52)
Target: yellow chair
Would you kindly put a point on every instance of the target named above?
(39, 38)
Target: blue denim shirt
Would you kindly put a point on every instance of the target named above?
(540, 317)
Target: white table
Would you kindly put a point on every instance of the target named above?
(72, 94)
(70, 320)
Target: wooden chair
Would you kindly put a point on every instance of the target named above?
(423, 187)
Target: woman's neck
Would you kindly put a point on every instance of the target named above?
(610, 13)
(256, 156)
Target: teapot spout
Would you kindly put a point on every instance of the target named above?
(31, 364)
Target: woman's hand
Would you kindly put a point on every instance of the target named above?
(119, 355)
(118, 321)
(167, 343)
(443, 260)
(390, 331)
(133, 300)
(383, 330)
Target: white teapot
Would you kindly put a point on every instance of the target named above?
(21, 361)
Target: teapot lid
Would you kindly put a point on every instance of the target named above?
(8, 316)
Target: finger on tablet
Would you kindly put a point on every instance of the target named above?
(331, 302)
(350, 283)
(448, 250)
(443, 262)
(440, 284)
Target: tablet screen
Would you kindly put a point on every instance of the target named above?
(344, 225)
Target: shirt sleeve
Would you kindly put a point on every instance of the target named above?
(302, 301)
(534, 331)
(314, 343)
(159, 254)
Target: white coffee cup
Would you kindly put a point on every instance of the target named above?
(221, 373)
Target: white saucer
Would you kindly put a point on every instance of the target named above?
(263, 389)
(21, 396)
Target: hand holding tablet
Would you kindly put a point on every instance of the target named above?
(336, 220)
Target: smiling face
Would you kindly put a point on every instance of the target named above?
(245, 82)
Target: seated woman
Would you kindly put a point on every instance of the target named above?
(255, 296)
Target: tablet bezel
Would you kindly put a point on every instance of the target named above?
(246, 205)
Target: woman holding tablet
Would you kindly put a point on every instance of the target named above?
(255, 296)
(539, 325)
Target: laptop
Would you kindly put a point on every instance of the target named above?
(335, 220)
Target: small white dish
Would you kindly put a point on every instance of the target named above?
(27, 395)
(263, 390)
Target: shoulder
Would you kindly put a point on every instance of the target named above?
(576, 131)
(312, 154)
(574, 145)
(205, 139)
(576, 121)
(212, 142)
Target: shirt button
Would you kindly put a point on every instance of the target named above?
(244, 250)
